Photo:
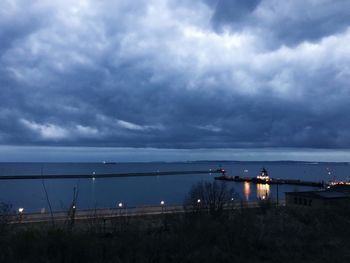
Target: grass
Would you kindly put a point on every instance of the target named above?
(267, 234)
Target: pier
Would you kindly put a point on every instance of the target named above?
(94, 175)
(264, 178)
(271, 181)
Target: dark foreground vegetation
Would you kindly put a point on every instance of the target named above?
(264, 234)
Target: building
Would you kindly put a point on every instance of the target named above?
(333, 197)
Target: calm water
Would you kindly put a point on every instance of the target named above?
(140, 191)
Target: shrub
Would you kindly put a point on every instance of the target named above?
(5, 215)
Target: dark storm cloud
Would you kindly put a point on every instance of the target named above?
(232, 11)
(14, 28)
(285, 22)
(158, 74)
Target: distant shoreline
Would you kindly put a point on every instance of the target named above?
(180, 162)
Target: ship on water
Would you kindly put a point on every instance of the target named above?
(105, 162)
(262, 178)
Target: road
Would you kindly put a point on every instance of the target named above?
(108, 213)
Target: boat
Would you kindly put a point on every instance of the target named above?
(262, 178)
(104, 162)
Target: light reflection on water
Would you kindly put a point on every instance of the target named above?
(247, 191)
(262, 191)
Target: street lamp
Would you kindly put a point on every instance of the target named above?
(120, 205)
(198, 204)
(20, 211)
(232, 202)
(277, 193)
(162, 204)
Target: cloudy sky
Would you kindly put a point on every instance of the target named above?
(175, 74)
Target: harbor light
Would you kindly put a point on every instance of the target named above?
(21, 210)
(162, 203)
(73, 206)
(263, 176)
(120, 205)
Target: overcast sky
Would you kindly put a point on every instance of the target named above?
(175, 74)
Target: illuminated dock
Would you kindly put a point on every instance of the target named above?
(271, 181)
(263, 178)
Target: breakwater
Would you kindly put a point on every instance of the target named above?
(110, 175)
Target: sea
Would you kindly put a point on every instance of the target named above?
(149, 190)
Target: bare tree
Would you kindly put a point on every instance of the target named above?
(72, 208)
(209, 196)
(49, 203)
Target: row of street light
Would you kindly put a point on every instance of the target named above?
(119, 205)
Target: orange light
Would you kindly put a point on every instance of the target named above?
(247, 190)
